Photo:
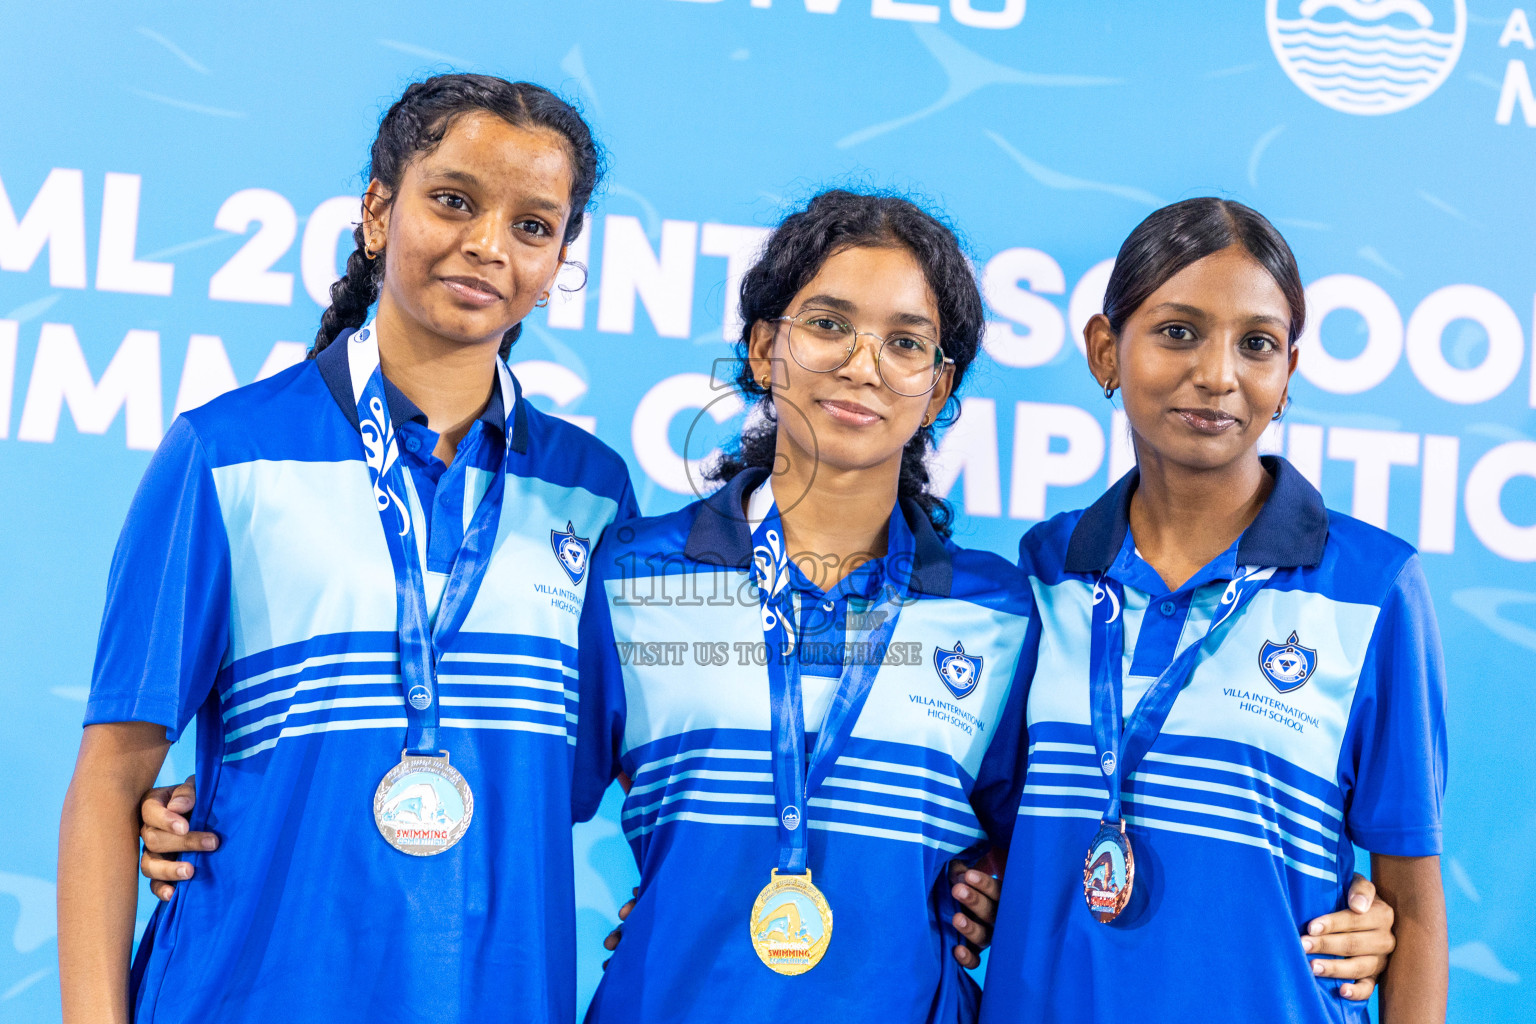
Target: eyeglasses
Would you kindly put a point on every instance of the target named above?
(821, 341)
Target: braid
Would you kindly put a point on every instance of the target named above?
(351, 296)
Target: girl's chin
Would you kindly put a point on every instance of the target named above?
(468, 327)
(1213, 454)
(839, 458)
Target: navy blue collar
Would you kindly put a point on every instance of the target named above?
(1289, 532)
(332, 363)
(722, 536)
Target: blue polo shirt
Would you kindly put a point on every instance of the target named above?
(252, 588)
(445, 531)
(1314, 720)
(674, 696)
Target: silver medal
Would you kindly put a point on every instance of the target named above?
(423, 806)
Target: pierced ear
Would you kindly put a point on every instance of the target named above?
(554, 275)
(1100, 341)
(760, 349)
(375, 209)
(939, 396)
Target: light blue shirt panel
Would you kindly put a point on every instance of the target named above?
(1059, 692)
(526, 586)
(911, 704)
(906, 706)
(669, 700)
(476, 483)
(1340, 632)
(307, 553)
(1133, 613)
(1137, 606)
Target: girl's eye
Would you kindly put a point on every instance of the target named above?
(1260, 343)
(533, 227)
(1177, 333)
(452, 201)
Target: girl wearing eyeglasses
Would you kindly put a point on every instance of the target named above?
(803, 773)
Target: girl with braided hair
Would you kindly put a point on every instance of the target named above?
(343, 573)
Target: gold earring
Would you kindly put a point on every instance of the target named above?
(543, 300)
(371, 254)
(767, 381)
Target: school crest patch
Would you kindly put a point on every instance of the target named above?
(958, 671)
(1287, 665)
(571, 551)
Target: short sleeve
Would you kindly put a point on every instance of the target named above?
(600, 682)
(1000, 781)
(1394, 753)
(165, 628)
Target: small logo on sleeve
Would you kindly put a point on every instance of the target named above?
(571, 551)
(1287, 665)
(958, 671)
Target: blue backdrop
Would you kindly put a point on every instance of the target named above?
(176, 176)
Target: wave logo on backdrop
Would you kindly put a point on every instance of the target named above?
(1367, 56)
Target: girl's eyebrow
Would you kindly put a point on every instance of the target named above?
(845, 306)
(830, 302)
(452, 175)
(1196, 313)
(1193, 312)
(913, 320)
(468, 179)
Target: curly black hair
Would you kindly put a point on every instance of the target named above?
(832, 222)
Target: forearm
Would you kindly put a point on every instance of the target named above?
(1413, 991)
(97, 876)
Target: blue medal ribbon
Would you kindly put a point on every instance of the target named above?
(421, 645)
(1121, 748)
(796, 778)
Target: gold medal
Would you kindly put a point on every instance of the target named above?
(791, 924)
(423, 806)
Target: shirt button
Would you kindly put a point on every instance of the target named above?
(413, 444)
(1167, 608)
